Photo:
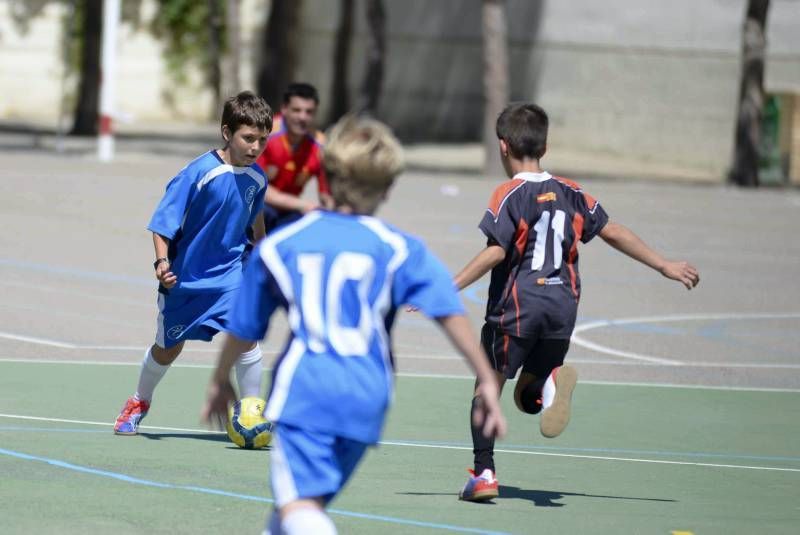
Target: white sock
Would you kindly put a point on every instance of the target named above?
(149, 376)
(549, 390)
(249, 369)
(307, 520)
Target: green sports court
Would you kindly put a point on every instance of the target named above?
(685, 417)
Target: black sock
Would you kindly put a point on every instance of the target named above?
(482, 447)
(531, 396)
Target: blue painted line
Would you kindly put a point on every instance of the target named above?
(78, 273)
(217, 492)
(561, 449)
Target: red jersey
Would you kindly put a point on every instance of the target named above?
(538, 219)
(292, 166)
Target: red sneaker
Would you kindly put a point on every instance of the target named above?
(132, 413)
(479, 488)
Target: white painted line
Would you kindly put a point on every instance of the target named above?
(578, 340)
(110, 425)
(39, 341)
(404, 374)
(445, 447)
(596, 457)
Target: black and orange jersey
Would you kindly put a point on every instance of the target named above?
(538, 219)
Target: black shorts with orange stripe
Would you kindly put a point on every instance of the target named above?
(507, 354)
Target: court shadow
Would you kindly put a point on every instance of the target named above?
(211, 437)
(453, 494)
(546, 498)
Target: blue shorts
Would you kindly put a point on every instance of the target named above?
(191, 316)
(305, 464)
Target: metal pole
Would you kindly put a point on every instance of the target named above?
(108, 66)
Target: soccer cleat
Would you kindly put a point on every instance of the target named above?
(132, 413)
(556, 417)
(479, 488)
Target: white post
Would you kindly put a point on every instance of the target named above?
(108, 66)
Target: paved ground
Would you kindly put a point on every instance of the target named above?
(75, 261)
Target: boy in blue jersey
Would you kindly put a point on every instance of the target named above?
(533, 226)
(199, 233)
(341, 275)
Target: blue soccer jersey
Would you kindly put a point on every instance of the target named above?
(341, 279)
(205, 214)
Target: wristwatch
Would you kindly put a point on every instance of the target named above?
(158, 261)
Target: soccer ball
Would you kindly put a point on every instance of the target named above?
(247, 427)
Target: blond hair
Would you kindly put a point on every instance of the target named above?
(362, 158)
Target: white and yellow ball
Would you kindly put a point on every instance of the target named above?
(247, 427)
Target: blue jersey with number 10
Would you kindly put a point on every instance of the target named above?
(341, 279)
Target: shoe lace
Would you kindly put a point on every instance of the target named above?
(131, 406)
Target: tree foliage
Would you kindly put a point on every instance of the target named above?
(185, 29)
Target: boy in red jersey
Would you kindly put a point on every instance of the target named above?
(533, 225)
(292, 156)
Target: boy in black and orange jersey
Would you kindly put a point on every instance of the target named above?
(533, 225)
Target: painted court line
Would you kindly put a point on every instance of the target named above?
(217, 492)
(451, 447)
(734, 388)
(525, 447)
(598, 457)
(580, 341)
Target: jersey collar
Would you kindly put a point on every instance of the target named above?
(534, 177)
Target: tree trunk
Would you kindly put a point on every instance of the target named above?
(231, 59)
(751, 95)
(86, 109)
(279, 50)
(495, 78)
(340, 101)
(372, 85)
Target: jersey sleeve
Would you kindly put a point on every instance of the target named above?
(594, 217)
(423, 282)
(255, 301)
(168, 217)
(499, 222)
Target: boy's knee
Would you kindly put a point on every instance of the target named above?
(530, 401)
(166, 356)
(528, 396)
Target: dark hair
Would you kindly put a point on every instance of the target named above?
(249, 109)
(524, 128)
(302, 90)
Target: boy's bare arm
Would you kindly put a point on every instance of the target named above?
(259, 231)
(480, 265)
(624, 240)
(220, 391)
(460, 333)
(287, 201)
(163, 271)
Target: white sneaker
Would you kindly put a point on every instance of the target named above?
(555, 418)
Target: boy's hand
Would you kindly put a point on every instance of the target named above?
(489, 414)
(682, 272)
(166, 277)
(215, 411)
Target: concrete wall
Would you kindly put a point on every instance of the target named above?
(33, 81)
(645, 80)
(641, 80)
